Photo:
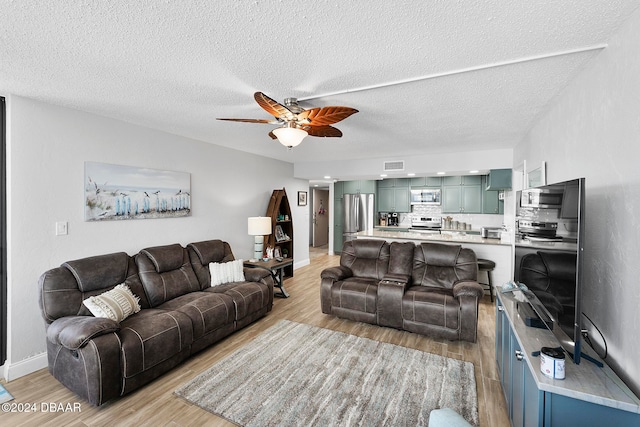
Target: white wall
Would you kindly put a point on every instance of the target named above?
(593, 131)
(47, 148)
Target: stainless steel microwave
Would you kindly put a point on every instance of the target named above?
(425, 196)
(541, 198)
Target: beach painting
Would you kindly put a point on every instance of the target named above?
(116, 192)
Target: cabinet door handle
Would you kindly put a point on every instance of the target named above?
(519, 355)
(500, 308)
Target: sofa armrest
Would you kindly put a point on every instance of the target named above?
(390, 294)
(336, 273)
(74, 332)
(467, 288)
(256, 274)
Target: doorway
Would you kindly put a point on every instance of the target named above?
(320, 217)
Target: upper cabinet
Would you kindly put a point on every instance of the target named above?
(393, 195)
(426, 181)
(360, 186)
(499, 179)
(462, 194)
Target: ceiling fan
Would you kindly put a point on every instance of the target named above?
(296, 122)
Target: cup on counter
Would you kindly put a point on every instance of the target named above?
(462, 226)
(454, 225)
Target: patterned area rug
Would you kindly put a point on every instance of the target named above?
(299, 375)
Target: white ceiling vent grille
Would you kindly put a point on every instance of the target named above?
(394, 166)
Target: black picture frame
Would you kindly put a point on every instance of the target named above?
(302, 198)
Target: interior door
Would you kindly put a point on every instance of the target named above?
(320, 217)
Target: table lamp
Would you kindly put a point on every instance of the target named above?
(259, 226)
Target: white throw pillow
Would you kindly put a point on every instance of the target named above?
(226, 272)
(116, 304)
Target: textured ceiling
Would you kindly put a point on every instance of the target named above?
(469, 74)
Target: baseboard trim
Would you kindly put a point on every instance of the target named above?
(12, 371)
(302, 263)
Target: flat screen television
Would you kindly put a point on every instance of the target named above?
(548, 257)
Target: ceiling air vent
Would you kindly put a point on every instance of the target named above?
(394, 166)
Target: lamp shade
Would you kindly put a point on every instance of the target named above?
(290, 136)
(259, 225)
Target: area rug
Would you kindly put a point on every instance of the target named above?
(299, 375)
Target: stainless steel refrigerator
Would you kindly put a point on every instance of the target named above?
(358, 214)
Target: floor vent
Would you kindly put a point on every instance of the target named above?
(396, 165)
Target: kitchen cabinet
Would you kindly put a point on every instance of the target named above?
(586, 397)
(360, 186)
(499, 179)
(337, 224)
(462, 194)
(426, 181)
(393, 195)
(491, 203)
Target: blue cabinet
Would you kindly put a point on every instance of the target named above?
(533, 400)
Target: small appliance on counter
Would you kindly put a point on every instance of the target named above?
(491, 232)
(426, 225)
(382, 220)
(392, 219)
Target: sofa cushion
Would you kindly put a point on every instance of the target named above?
(442, 265)
(151, 337)
(73, 332)
(99, 272)
(207, 311)
(165, 258)
(367, 258)
(248, 297)
(160, 283)
(116, 304)
(226, 272)
(431, 306)
(203, 253)
(356, 293)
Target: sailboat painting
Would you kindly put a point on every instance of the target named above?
(117, 192)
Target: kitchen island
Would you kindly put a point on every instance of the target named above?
(492, 249)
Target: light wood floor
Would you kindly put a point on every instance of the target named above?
(155, 404)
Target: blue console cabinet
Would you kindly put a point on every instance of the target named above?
(589, 396)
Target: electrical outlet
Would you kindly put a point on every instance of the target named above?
(61, 228)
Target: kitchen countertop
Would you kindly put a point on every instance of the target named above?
(460, 237)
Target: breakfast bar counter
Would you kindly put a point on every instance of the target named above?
(492, 249)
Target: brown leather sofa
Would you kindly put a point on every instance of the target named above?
(430, 288)
(100, 359)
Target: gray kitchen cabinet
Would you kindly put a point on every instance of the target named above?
(462, 194)
(499, 179)
(491, 203)
(462, 180)
(359, 186)
(337, 224)
(393, 195)
(426, 181)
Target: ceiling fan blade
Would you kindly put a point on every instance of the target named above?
(273, 107)
(328, 115)
(271, 122)
(273, 135)
(323, 131)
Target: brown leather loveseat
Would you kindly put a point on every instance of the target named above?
(181, 313)
(430, 288)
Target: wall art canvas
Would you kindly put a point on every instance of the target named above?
(116, 192)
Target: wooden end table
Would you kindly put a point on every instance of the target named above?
(276, 268)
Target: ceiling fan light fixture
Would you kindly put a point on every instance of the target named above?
(290, 136)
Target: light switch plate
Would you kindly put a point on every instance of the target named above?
(61, 228)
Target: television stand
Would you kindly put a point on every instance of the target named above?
(588, 396)
(593, 360)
